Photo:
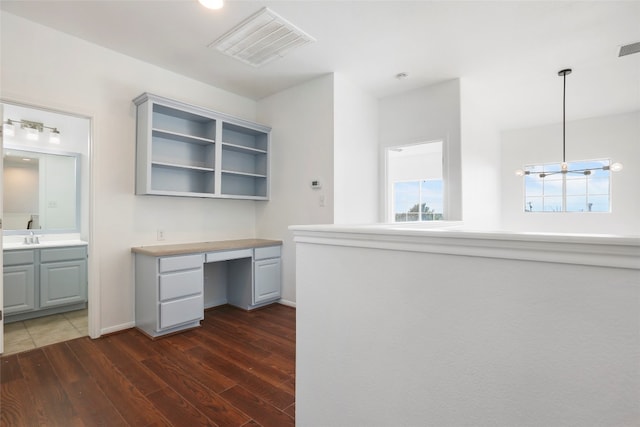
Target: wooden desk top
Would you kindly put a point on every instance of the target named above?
(197, 247)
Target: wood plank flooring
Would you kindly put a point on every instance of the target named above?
(237, 369)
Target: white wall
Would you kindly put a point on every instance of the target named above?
(480, 158)
(392, 333)
(427, 114)
(356, 191)
(302, 150)
(615, 137)
(86, 79)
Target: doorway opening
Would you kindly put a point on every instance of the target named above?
(46, 226)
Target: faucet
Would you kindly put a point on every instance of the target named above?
(31, 239)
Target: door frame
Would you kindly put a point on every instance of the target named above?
(93, 283)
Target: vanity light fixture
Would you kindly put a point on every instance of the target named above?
(564, 166)
(9, 128)
(32, 129)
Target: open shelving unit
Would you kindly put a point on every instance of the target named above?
(184, 150)
(244, 164)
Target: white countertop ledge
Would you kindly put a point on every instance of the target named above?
(9, 246)
(450, 237)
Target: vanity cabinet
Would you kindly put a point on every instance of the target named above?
(63, 276)
(19, 282)
(185, 150)
(40, 282)
(169, 293)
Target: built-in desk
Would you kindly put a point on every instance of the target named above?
(174, 283)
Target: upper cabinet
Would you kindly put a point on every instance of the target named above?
(184, 150)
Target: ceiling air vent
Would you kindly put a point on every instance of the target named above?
(628, 49)
(261, 38)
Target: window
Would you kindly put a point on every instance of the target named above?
(547, 189)
(417, 200)
(415, 182)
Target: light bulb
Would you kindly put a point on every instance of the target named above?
(32, 134)
(519, 172)
(212, 4)
(54, 137)
(9, 128)
(564, 166)
(616, 167)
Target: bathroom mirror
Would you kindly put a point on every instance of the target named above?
(41, 191)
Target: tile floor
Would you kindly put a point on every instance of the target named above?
(34, 333)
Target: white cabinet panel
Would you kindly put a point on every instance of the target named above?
(266, 280)
(19, 289)
(267, 252)
(182, 283)
(63, 283)
(181, 311)
(176, 263)
(229, 255)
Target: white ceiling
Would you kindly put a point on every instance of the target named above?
(510, 51)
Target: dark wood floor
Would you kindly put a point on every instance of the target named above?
(235, 370)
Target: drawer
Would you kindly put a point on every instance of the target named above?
(63, 254)
(181, 311)
(18, 257)
(267, 252)
(183, 262)
(180, 284)
(227, 255)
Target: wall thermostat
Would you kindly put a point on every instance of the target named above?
(315, 184)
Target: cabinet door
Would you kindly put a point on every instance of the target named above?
(19, 289)
(63, 283)
(177, 312)
(266, 282)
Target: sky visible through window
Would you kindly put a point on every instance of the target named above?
(571, 192)
(418, 200)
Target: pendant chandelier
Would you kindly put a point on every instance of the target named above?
(564, 166)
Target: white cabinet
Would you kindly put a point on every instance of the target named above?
(40, 282)
(169, 293)
(172, 282)
(19, 282)
(257, 281)
(184, 150)
(267, 280)
(63, 276)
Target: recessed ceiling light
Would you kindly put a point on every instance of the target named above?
(212, 4)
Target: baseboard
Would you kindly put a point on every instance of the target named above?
(287, 303)
(117, 328)
(215, 303)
